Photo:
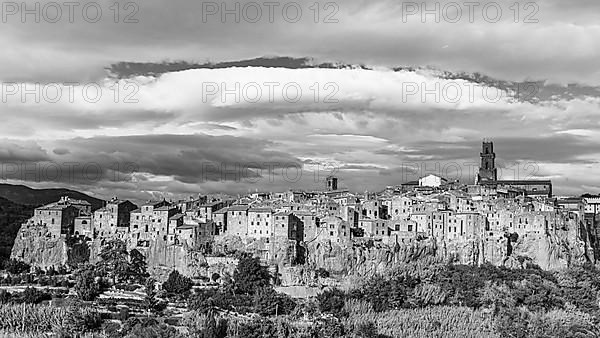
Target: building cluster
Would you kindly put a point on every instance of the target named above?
(431, 207)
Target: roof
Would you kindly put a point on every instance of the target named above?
(221, 211)
(187, 226)
(84, 202)
(176, 216)
(239, 207)
(260, 210)
(210, 204)
(283, 213)
(164, 208)
(518, 182)
(304, 213)
(55, 206)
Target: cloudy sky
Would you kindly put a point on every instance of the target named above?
(174, 98)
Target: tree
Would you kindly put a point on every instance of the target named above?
(114, 261)
(85, 284)
(78, 253)
(150, 302)
(267, 302)
(214, 327)
(14, 266)
(250, 275)
(177, 283)
(137, 266)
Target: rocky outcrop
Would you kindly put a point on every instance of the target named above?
(34, 246)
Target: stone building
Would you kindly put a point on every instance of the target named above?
(260, 222)
(147, 222)
(334, 229)
(289, 226)
(58, 217)
(112, 219)
(237, 220)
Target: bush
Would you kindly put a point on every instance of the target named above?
(177, 283)
(127, 287)
(250, 275)
(268, 302)
(386, 294)
(82, 319)
(320, 272)
(33, 296)
(205, 299)
(15, 267)
(332, 301)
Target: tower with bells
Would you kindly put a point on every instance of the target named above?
(487, 168)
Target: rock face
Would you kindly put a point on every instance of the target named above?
(163, 258)
(296, 263)
(34, 246)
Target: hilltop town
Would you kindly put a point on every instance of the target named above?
(433, 256)
(502, 222)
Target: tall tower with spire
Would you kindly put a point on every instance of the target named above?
(487, 168)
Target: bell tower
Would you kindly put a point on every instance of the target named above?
(487, 168)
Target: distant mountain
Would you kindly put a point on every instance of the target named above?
(12, 215)
(24, 195)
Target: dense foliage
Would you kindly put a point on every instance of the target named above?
(41, 319)
(86, 286)
(177, 284)
(250, 275)
(120, 265)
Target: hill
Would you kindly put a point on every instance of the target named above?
(12, 215)
(24, 195)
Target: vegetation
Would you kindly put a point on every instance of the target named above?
(250, 275)
(177, 284)
(38, 319)
(120, 265)
(418, 299)
(14, 266)
(85, 284)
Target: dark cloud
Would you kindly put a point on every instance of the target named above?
(61, 151)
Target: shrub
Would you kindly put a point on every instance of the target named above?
(82, 319)
(332, 301)
(33, 296)
(250, 275)
(205, 299)
(5, 296)
(177, 283)
(15, 267)
(322, 273)
(268, 302)
(386, 294)
(85, 284)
